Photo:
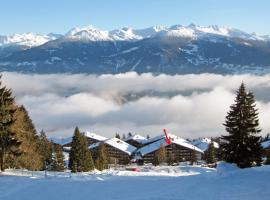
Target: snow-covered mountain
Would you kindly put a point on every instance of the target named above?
(159, 49)
(26, 39)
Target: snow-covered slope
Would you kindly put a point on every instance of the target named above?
(162, 183)
(203, 143)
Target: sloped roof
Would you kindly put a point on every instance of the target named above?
(174, 139)
(94, 136)
(117, 143)
(203, 143)
(67, 140)
(62, 141)
(138, 138)
(265, 144)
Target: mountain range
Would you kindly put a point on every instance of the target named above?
(171, 50)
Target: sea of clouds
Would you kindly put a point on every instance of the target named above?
(187, 105)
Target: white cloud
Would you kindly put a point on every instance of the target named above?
(187, 105)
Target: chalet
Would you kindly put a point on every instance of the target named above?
(179, 148)
(137, 141)
(118, 151)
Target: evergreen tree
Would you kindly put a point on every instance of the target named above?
(267, 162)
(211, 154)
(148, 137)
(45, 150)
(242, 145)
(9, 144)
(117, 135)
(80, 158)
(26, 133)
(57, 158)
(129, 134)
(160, 156)
(102, 158)
(123, 136)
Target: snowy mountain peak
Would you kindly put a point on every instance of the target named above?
(26, 39)
(125, 33)
(88, 33)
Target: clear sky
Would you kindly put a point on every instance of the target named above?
(44, 16)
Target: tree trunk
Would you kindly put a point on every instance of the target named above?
(2, 161)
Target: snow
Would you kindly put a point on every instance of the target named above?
(90, 33)
(62, 141)
(26, 39)
(203, 143)
(265, 144)
(138, 138)
(117, 143)
(67, 140)
(174, 183)
(191, 31)
(162, 142)
(94, 136)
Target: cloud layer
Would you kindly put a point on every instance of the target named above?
(187, 105)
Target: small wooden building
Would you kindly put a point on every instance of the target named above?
(179, 148)
(118, 151)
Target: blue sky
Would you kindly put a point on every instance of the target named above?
(18, 16)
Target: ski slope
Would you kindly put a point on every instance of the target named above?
(151, 183)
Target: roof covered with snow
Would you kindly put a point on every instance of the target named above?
(117, 143)
(62, 141)
(94, 136)
(137, 138)
(203, 143)
(67, 140)
(265, 144)
(174, 139)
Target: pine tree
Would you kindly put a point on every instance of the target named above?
(45, 150)
(102, 158)
(123, 136)
(80, 158)
(57, 158)
(211, 154)
(242, 145)
(148, 137)
(160, 156)
(117, 135)
(129, 134)
(26, 133)
(9, 144)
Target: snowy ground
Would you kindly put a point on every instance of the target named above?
(151, 183)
